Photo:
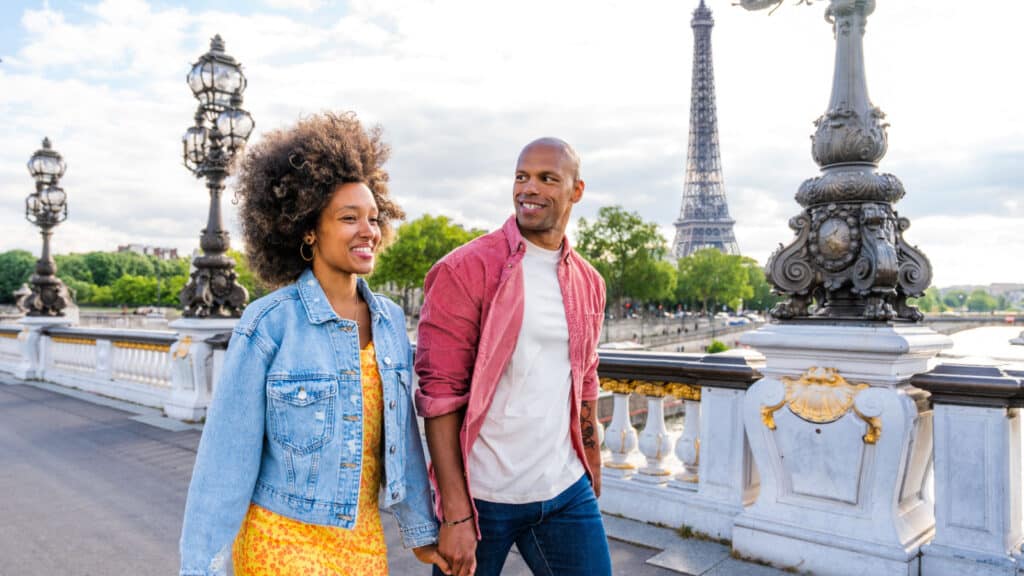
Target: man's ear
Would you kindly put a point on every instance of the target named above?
(577, 191)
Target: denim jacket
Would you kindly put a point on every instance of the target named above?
(284, 429)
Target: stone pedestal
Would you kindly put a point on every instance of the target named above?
(192, 367)
(843, 445)
(33, 345)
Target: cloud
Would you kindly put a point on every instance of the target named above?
(459, 86)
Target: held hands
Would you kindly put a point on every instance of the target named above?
(429, 555)
(458, 545)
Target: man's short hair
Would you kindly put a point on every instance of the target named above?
(567, 149)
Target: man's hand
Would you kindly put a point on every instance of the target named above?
(429, 555)
(457, 544)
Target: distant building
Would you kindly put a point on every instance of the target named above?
(156, 251)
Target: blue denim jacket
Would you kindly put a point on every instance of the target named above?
(284, 429)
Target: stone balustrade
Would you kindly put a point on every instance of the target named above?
(979, 498)
(699, 478)
(704, 477)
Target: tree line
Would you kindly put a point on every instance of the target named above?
(115, 278)
(631, 255)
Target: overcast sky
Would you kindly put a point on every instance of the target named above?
(460, 85)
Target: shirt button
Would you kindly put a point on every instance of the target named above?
(394, 495)
(392, 405)
(302, 394)
(387, 360)
(393, 449)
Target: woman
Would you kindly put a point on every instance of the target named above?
(313, 414)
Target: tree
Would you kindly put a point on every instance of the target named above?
(419, 244)
(16, 266)
(134, 290)
(931, 302)
(954, 299)
(981, 301)
(709, 277)
(627, 252)
(246, 277)
(761, 297)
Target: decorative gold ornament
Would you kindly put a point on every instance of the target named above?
(684, 391)
(71, 340)
(652, 389)
(183, 347)
(821, 396)
(619, 386)
(142, 346)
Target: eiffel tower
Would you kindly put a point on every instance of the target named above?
(704, 220)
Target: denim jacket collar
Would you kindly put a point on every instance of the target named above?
(318, 308)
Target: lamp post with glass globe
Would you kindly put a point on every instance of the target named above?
(220, 132)
(46, 208)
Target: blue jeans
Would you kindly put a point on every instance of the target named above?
(563, 536)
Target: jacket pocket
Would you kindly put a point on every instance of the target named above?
(302, 412)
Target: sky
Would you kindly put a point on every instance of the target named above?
(459, 86)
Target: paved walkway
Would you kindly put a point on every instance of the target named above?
(95, 487)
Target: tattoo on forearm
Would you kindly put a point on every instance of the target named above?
(587, 424)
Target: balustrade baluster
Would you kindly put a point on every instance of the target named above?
(621, 437)
(656, 443)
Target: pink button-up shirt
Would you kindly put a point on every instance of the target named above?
(470, 321)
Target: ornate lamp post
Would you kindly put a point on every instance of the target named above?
(842, 440)
(220, 131)
(46, 207)
(849, 258)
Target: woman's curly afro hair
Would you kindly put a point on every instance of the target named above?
(287, 179)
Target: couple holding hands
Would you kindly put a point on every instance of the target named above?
(313, 420)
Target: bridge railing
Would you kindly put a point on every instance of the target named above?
(979, 497)
(701, 477)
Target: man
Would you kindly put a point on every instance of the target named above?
(507, 365)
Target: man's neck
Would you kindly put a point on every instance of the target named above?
(549, 239)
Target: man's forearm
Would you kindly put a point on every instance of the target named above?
(446, 457)
(591, 444)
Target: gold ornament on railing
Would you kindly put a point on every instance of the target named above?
(822, 396)
(652, 389)
(683, 391)
(619, 386)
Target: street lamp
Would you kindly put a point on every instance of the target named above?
(220, 131)
(46, 207)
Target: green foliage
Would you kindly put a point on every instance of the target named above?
(16, 266)
(931, 302)
(715, 347)
(419, 245)
(954, 299)
(629, 253)
(710, 278)
(134, 290)
(981, 301)
(246, 277)
(761, 297)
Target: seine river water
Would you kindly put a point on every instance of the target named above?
(985, 345)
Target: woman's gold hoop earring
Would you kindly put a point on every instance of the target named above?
(302, 254)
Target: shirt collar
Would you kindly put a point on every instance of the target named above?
(515, 239)
(318, 308)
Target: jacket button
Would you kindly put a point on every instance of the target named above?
(394, 495)
(393, 449)
(302, 394)
(392, 405)
(387, 360)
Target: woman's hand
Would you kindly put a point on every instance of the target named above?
(429, 555)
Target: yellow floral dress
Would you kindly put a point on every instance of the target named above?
(269, 544)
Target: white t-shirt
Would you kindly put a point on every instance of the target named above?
(524, 452)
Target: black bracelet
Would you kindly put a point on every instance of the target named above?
(457, 522)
